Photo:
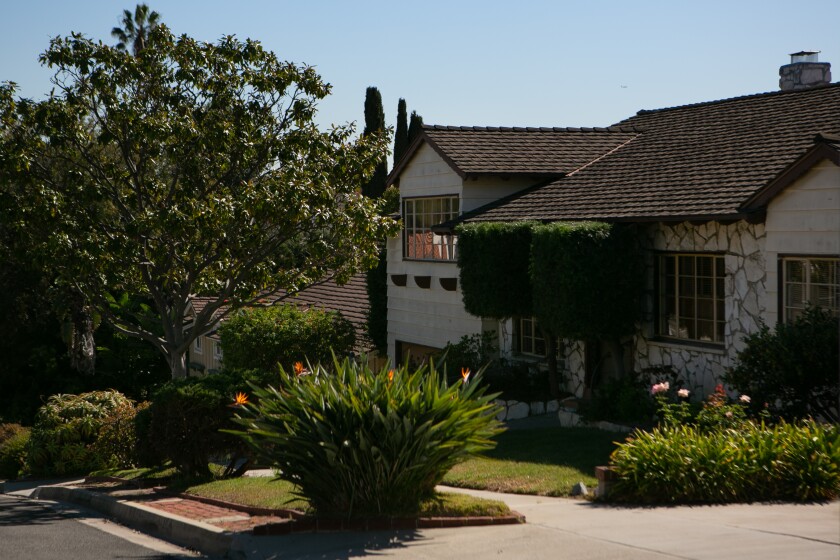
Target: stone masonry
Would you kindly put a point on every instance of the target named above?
(742, 245)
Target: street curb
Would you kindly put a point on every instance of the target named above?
(183, 532)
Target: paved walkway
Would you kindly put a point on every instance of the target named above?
(565, 528)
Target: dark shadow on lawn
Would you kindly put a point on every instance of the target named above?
(580, 448)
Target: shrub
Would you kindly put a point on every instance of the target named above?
(360, 443)
(493, 264)
(684, 463)
(261, 338)
(183, 422)
(117, 442)
(14, 440)
(66, 431)
(519, 381)
(794, 368)
(474, 352)
(588, 279)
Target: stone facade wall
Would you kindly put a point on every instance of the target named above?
(743, 247)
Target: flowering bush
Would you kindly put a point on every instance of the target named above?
(687, 463)
(183, 422)
(359, 442)
(715, 452)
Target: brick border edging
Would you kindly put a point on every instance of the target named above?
(299, 522)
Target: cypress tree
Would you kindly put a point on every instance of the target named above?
(401, 136)
(377, 278)
(414, 126)
(375, 122)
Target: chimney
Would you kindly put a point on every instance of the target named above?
(804, 71)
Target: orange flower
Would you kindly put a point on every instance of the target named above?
(299, 368)
(241, 398)
(465, 374)
(390, 375)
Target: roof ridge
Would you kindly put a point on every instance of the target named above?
(737, 98)
(451, 128)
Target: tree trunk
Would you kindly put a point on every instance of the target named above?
(178, 364)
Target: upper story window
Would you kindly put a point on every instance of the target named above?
(419, 215)
(691, 296)
(810, 282)
(197, 345)
(217, 350)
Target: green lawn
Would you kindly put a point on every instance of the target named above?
(278, 494)
(543, 461)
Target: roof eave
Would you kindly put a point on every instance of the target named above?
(826, 147)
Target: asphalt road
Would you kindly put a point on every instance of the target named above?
(31, 530)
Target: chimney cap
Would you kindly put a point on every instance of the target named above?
(804, 56)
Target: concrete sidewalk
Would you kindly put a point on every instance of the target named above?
(555, 528)
(564, 528)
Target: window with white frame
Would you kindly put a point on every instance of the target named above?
(197, 345)
(691, 297)
(810, 281)
(530, 338)
(419, 215)
(217, 350)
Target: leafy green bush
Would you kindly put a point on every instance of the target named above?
(493, 264)
(261, 338)
(66, 430)
(117, 440)
(473, 352)
(685, 463)
(183, 422)
(519, 381)
(625, 399)
(588, 279)
(794, 368)
(14, 440)
(360, 443)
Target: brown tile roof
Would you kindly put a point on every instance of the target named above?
(350, 300)
(537, 152)
(701, 161)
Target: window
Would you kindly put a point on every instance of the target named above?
(810, 281)
(691, 297)
(217, 349)
(530, 338)
(197, 345)
(528, 341)
(419, 215)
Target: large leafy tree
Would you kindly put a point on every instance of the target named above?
(190, 168)
(135, 28)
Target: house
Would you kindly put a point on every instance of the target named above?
(738, 201)
(350, 299)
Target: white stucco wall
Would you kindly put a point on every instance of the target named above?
(434, 316)
(803, 220)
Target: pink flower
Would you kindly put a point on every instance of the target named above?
(728, 414)
(660, 388)
(683, 393)
(744, 399)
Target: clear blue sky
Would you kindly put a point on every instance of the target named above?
(486, 63)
